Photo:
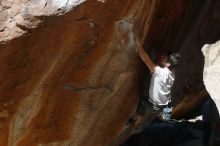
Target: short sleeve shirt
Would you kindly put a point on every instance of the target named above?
(160, 87)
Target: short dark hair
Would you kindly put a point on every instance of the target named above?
(174, 59)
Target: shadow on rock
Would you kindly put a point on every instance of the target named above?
(158, 133)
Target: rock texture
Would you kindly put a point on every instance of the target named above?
(19, 16)
(200, 26)
(211, 73)
(69, 75)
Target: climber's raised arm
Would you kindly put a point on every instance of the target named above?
(144, 56)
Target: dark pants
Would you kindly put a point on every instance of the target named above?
(145, 104)
(210, 117)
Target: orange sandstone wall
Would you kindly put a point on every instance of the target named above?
(69, 74)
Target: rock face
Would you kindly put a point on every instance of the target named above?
(19, 16)
(200, 26)
(69, 75)
(211, 73)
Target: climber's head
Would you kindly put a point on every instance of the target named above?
(173, 59)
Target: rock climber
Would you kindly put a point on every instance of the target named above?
(162, 80)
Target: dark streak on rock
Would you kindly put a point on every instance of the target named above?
(78, 89)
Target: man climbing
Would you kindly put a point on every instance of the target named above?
(161, 82)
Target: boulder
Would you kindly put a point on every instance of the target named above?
(69, 70)
(211, 72)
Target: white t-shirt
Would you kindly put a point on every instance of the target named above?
(160, 87)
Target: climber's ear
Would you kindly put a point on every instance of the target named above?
(168, 64)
